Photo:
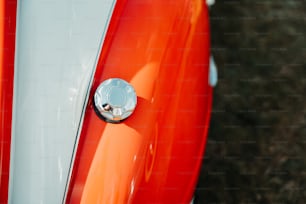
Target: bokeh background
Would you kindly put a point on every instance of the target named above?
(256, 150)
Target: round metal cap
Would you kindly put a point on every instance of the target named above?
(115, 100)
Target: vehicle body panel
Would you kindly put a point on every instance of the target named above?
(7, 49)
(154, 156)
(61, 151)
(57, 45)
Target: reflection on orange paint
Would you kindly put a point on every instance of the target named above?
(7, 46)
(162, 49)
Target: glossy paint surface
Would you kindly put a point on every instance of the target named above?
(7, 48)
(162, 49)
(57, 46)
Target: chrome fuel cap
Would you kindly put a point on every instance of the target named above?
(115, 100)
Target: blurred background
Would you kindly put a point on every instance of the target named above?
(256, 149)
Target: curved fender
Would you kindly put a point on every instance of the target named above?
(162, 49)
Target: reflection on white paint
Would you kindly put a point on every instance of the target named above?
(60, 169)
(57, 46)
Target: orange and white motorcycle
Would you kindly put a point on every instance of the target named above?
(103, 101)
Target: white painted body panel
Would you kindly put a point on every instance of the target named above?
(58, 42)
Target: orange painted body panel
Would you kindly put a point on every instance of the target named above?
(7, 48)
(162, 49)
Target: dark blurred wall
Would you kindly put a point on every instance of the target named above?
(256, 152)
